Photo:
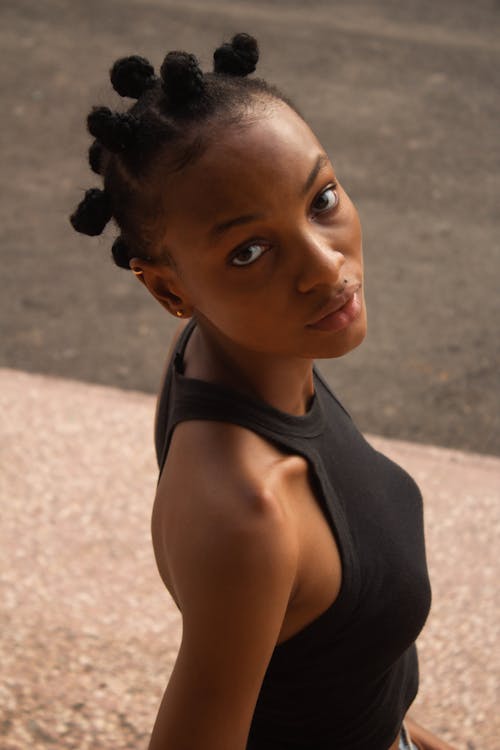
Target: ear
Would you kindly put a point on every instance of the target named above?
(162, 281)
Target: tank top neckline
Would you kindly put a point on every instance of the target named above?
(307, 425)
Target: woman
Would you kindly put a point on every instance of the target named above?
(293, 549)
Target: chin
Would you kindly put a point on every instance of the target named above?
(345, 341)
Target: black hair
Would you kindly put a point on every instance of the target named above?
(169, 114)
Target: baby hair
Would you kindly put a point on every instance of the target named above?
(174, 114)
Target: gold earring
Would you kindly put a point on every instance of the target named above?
(179, 313)
(137, 273)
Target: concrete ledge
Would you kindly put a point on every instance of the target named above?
(88, 634)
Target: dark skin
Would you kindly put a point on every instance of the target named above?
(262, 243)
(254, 318)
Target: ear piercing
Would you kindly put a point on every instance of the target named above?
(178, 313)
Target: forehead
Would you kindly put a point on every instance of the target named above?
(246, 167)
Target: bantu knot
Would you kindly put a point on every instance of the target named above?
(132, 76)
(239, 57)
(182, 79)
(93, 213)
(117, 131)
(95, 154)
(120, 253)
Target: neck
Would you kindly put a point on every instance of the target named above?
(286, 383)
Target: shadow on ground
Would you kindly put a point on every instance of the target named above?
(403, 97)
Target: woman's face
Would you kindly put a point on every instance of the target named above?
(265, 242)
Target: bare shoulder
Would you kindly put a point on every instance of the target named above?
(227, 550)
(220, 499)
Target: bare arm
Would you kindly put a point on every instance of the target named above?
(233, 572)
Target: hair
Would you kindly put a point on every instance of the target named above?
(174, 116)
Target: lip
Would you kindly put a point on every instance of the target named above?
(339, 312)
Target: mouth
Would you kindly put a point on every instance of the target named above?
(340, 311)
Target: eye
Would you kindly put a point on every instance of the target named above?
(245, 256)
(326, 200)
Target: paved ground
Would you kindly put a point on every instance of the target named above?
(87, 633)
(402, 94)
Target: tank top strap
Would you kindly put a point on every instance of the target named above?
(184, 399)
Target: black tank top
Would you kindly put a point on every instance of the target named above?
(346, 680)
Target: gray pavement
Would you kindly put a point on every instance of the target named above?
(88, 634)
(402, 94)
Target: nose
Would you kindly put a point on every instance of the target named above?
(319, 262)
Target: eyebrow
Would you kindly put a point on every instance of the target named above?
(321, 161)
(219, 229)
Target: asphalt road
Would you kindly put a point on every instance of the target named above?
(403, 96)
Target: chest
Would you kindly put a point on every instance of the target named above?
(375, 509)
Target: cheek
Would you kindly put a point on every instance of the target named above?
(232, 291)
(246, 311)
(355, 224)
(238, 307)
(352, 220)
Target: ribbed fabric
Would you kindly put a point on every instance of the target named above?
(346, 680)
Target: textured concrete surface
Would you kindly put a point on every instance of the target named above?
(88, 635)
(403, 95)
